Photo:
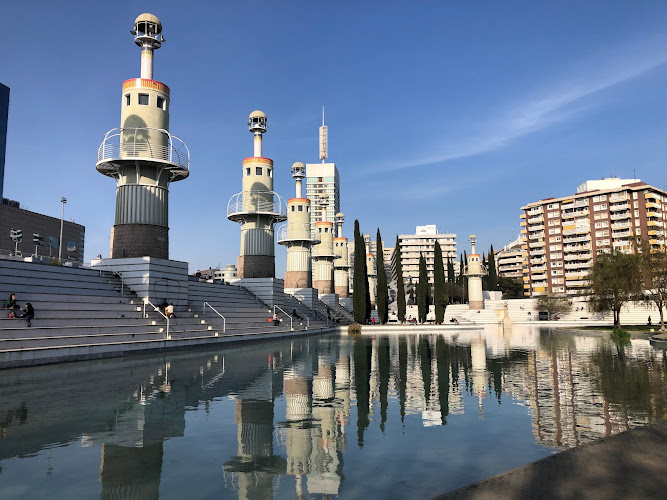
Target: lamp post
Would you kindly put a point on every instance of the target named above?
(63, 200)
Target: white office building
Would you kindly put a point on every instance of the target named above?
(411, 246)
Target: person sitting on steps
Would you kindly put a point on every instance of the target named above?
(28, 313)
(169, 311)
(11, 304)
(276, 321)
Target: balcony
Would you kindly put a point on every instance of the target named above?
(534, 236)
(535, 220)
(576, 239)
(536, 244)
(253, 203)
(581, 203)
(539, 260)
(653, 214)
(577, 283)
(652, 204)
(578, 265)
(621, 225)
(618, 207)
(578, 256)
(622, 234)
(620, 216)
(539, 227)
(538, 270)
(577, 230)
(522, 223)
(537, 251)
(618, 197)
(576, 248)
(535, 211)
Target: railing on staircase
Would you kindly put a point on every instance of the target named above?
(224, 320)
(157, 309)
(291, 322)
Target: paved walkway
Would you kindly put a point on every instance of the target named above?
(632, 464)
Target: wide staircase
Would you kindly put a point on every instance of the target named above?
(80, 310)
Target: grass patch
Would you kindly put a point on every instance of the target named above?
(354, 330)
(631, 328)
(620, 335)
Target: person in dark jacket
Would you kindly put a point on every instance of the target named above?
(11, 304)
(28, 313)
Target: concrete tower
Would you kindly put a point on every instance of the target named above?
(257, 208)
(342, 261)
(323, 253)
(295, 235)
(143, 156)
(372, 277)
(474, 271)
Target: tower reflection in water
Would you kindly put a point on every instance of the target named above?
(576, 388)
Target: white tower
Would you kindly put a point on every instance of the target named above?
(323, 254)
(142, 156)
(342, 260)
(257, 208)
(474, 271)
(295, 235)
(324, 139)
(372, 277)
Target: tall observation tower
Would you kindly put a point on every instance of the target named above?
(142, 156)
(257, 208)
(474, 271)
(295, 235)
(323, 253)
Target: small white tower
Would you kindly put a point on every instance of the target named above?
(295, 235)
(142, 156)
(341, 262)
(474, 271)
(323, 254)
(257, 208)
(372, 277)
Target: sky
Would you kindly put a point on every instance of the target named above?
(447, 113)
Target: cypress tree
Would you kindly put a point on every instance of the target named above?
(360, 285)
(464, 281)
(422, 291)
(368, 286)
(439, 293)
(450, 278)
(381, 294)
(493, 275)
(400, 286)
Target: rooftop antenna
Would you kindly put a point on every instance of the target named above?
(323, 139)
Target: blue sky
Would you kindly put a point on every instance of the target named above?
(447, 113)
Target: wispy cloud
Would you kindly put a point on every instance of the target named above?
(553, 106)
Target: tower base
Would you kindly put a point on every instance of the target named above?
(342, 292)
(298, 279)
(476, 304)
(323, 286)
(256, 266)
(139, 240)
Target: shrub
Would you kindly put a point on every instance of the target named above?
(354, 329)
(620, 335)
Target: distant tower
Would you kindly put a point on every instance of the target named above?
(372, 277)
(323, 254)
(342, 261)
(143, 156)
(257, 208)
(324, 139)
(295, 235)
(474, 272)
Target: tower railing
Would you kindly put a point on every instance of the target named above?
(257, 202)
(301, 229)
(144, 143)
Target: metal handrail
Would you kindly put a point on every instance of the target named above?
(157, 309)
(282, 231)
(224, 320)
(122, 282)
(257, 202)
(291, 322)
(116, 144)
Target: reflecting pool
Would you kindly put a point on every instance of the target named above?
(403, 415)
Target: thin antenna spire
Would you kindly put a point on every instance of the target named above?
(323, 116)
(323, 139)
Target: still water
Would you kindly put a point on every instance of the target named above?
(404, 415)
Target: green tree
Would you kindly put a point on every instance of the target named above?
(493, 275)
(360, 285)
(382, 293)
(422, 291)
(368, 286)
(613, 281)
(554, 305)
(451, 284)
(440, 298)
(653, 274)
(400, 286)
(512, 288)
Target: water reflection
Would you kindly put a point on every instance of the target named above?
(292, 402)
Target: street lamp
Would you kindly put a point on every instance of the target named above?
(63, 200)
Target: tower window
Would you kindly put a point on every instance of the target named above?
(270, 172)
(292, 208)
(300, 208)
(258, 170)
(307, 209)
(143, 99)
(127, 99)
(160, 102)
(247, 171)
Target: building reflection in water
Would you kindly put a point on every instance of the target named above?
(577, 388)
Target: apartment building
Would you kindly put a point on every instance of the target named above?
(562, 236)
(411, 246)
(322, 179)
(511, 260)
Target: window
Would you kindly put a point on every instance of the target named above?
(635, 204)
(160, 102)
(127, 99)
(143, 99)
(326, 229)
(300, 208)
(634, 195)
(247, 171)
(71, 246)
(258, 170)
(269, 172)
(638, 231)
(636, 213)
(54, 242)
(307, 209)
(292, 208)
